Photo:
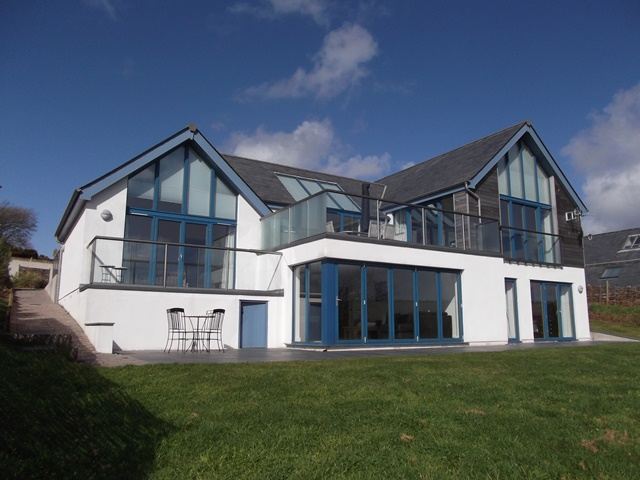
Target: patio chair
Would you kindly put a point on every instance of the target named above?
(212, 329)
(177, 329)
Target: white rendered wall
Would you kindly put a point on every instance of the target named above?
(140, 318)
(482, 284)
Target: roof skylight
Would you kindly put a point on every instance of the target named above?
(632, 242)
(301, 188)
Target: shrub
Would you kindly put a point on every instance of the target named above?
(28, 279)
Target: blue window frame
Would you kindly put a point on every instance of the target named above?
(407, 300)
(552, 311)
(524, 223)
(171, 222)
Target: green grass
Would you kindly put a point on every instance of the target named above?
(615, 319)
(540, 413)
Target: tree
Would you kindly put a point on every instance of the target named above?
(17, 224)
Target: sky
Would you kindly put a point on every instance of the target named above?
(360, 88)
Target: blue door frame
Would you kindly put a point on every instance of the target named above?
(545, 314)
(254, 320)
(330, 311)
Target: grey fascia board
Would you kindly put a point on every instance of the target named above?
(231, 175)
(473, 183)
(140, 162)
(70, 216)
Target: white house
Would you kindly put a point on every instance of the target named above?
(480, 245)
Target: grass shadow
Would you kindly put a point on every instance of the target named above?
(64, 420)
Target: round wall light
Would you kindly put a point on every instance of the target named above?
(580, 289)
(106, 215)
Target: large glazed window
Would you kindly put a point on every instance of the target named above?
(182, 205)
(375, 303)
(521, 175)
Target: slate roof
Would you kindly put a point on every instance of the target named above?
(448, 170)
(603, 251)
(261, 177)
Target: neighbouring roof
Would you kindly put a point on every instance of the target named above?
(262, 178)
(448, 170)
(608, 247)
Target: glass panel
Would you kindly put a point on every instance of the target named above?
(543, 186)
(537, 310)
(552, 311)
(171, 180)
(448, 223)
(400, 226)
(314, 333)
(349, 301)
(225, 201)
(503, 180)
(140, 188)
(136, 257)
(199, 186)
(416, 225)
(344, 202)
(377, 304)
(531, 239)
(506, 233)
(403, 303)
(312, 187)
(517, 237)
(168, 232)
(333, 221)
(432, 221)
(300, 304)
(510, 292)
(223, 261)
(427, 304)
(299, 228)
(450, 305)
(350, 223)
(515, 172)
(529, 167)
(293, 187)
(194, 258)
(548, 241)
(566, 311)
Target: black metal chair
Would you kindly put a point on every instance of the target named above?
(212, 329)
(177, 330)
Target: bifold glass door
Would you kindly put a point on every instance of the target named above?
(552, 310)
(377, 303)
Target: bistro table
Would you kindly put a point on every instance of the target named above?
(197, 322)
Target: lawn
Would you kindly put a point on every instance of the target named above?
(545, 413)
(615, 319)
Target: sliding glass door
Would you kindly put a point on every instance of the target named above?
(552, 310)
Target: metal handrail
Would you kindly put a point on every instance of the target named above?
(505, 227)
(189, 245)
(412, 205)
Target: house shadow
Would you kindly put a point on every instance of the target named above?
(62, 419)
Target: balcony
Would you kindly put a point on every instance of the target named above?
(143, 264)
(334, 212)
(528, 246)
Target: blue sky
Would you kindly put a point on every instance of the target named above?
(360, 88)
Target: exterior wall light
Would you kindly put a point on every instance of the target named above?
(580, 289)
(106, 215)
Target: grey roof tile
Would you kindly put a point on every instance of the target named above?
(447, 170)
(261, 177)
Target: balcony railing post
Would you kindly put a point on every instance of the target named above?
(164, 273)
(93, 261)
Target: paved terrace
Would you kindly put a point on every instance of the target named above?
(34, 312)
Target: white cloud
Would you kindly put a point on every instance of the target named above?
(339, 65)
(106, 6)
(316, 9)
(312, 145)
(608, 154)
